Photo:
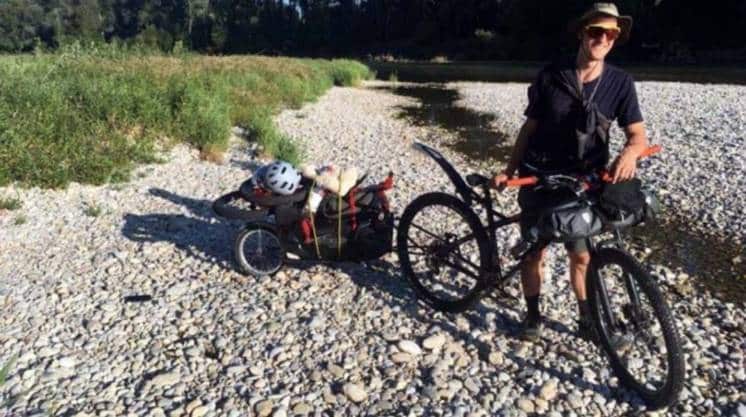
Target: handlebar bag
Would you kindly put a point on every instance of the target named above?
(628, 203)
(621, 200)
(569, 222)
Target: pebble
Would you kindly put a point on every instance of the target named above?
(548, 391)
(239, 340)
(526, 405)
(496, 358)
(355, 392)
(410, 347)
(401, 357)
(434, 342)
(264, 408)
(302, 409)
(165, 380)
(67, 362)
(199, 411)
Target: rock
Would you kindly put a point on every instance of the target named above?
(401, 357)
(157, 412)
(199, 411)
(472, 386)
(390, 337)
(434, 342)
(742, 410)
(256, 370)
(699, 382)
(192, 405)
(410, 347)
(264, 408)
(575, 400)
(355, 392)
(67, 362)
(548, 391)
(165, 379)
(526, 405)
(302, 409)
(336, 370)
(496, 358)
(280, 412)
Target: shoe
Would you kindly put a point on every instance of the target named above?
(587, 331)
(531, 328)
(619, 342)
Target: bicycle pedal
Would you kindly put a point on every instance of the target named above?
(520, 249)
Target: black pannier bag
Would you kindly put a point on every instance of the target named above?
(626, 203)
(568, 222)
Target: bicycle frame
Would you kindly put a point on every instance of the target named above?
(496, 220)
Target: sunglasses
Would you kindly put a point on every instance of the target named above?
(596, 32)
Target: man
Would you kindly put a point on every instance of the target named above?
(557, 135)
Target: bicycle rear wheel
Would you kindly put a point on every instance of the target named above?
(444, 251)
(635, 327)
(258, 251)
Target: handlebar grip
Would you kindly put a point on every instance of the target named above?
(651, 150)
(518, 182)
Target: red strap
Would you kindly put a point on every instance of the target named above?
(353, 220)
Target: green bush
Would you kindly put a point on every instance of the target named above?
(5, 370)
(10, 203)
(90, 113)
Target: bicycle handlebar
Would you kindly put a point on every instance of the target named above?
(604, 175)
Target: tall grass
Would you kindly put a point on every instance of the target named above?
(5, 370)
(89, 116)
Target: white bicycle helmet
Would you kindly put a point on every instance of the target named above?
(281, 178)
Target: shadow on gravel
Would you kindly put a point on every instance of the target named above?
(476, 138)
(203, 236)
(249, 166)
(200, 235)
(385, 276)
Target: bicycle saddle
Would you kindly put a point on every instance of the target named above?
(476, 180)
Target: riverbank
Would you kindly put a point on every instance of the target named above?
(343, 339)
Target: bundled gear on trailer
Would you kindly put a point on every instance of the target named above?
(328, 215)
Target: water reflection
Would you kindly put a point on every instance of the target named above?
(475, 137)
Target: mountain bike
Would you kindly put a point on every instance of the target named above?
(452, 257)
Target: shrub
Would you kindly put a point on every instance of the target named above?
(10, 203)
(91, 112)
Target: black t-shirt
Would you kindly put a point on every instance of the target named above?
(557, 111)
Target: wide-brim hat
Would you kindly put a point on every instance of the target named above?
(604, 10)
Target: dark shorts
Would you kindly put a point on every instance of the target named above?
(533, 201)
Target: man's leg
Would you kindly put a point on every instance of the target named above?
(579, 260)
(531, 277)
(578, 268)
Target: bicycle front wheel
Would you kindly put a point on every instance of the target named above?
(635, 327)
(444, 251)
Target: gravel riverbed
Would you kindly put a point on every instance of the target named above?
(337, 340)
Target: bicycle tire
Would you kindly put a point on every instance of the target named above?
(668, 393)
(244, 264)
(404, 251)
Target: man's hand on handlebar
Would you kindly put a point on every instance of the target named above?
(499, 181)
(624, 166)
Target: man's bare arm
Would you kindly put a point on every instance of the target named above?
(625, 165)
(519, 148)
